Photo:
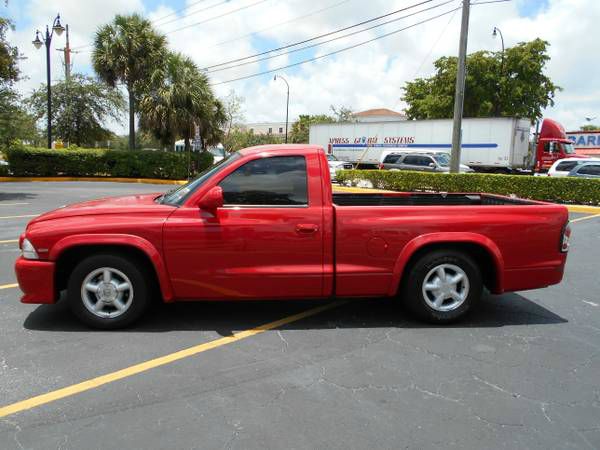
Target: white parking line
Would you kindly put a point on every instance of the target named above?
(585, 218)
(13, 204)
(18, 217)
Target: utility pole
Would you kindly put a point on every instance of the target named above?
(67, 51)
(459, 95)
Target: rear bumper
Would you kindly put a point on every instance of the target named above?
(533, 278)
(36, 280)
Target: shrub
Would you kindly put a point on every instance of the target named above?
(564, 190)
(79, 162)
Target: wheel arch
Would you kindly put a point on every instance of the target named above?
(479, 247)
(69, 251)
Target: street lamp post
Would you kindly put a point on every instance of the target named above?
(47, 40)
(494, 34)
(287, 107)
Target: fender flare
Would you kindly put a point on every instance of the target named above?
(447, 238)
(124, 240)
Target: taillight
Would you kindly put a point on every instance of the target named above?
(381, 166)
(565, 241)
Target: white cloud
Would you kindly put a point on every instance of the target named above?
(367, 77)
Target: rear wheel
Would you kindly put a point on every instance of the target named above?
(442, 286)
(108, 291)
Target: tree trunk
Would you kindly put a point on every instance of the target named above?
(131, 117)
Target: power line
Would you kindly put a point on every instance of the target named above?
(210, 19)
(317, 37)
(333, 39)
(295, 19)
(179, 10)
(429, 52)
(155, 22)
(337, 51)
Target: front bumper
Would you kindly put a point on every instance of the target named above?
(36, 280)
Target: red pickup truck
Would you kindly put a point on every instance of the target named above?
(264, 224)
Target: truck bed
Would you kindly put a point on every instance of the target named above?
(425, 199)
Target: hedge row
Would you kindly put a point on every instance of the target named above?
(562, 190)
(42, 162)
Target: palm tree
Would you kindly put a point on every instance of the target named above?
(179, 97)
(128, 51)
(213, 123)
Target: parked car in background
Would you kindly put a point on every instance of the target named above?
(335, 165)
(218, 153)
(426, 162)
(587, 170)
(562, 167)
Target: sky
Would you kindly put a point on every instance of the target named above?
(369, 76)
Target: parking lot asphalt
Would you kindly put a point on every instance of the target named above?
(522, 371)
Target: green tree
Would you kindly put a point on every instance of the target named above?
(342, 113)
(178, 99)
(238, 139)
(15, 123)
(9, 55)
(233, 108)
(81, 106)
(128, 51)
(301, 127)
(212, 123)
(495, 86)
(590, 127)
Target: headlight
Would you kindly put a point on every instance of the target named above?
(28, 250)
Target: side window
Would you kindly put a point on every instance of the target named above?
(418, 160)
(566, 166)
(391, 159)
(590, 170)
(280, 180)
(412, 160)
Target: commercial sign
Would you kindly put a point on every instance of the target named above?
(585, 142)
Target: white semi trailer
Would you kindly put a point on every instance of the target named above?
(488, 144)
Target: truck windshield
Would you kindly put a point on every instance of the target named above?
(442, 159)
(569, 148)
(178, 195)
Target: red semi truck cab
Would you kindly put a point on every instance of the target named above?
(552, 145)
(265, 224)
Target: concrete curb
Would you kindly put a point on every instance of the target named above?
(106, 180)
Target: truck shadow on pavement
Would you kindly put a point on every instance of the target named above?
(226, 318)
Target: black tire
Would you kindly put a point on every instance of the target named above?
(412, 290)
(136, 277)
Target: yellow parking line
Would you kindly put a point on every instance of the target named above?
(585, 218)
(9, 241)
(8, 286)
(18, 217)
(156, 362)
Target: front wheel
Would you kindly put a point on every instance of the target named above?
(442, 286)
(107, 291)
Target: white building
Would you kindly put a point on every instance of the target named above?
(274, 128)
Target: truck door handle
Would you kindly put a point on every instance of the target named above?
(306, 228)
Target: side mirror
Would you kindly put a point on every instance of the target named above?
(212, 200)
(431, 164)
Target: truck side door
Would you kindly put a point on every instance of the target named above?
(265, 242)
